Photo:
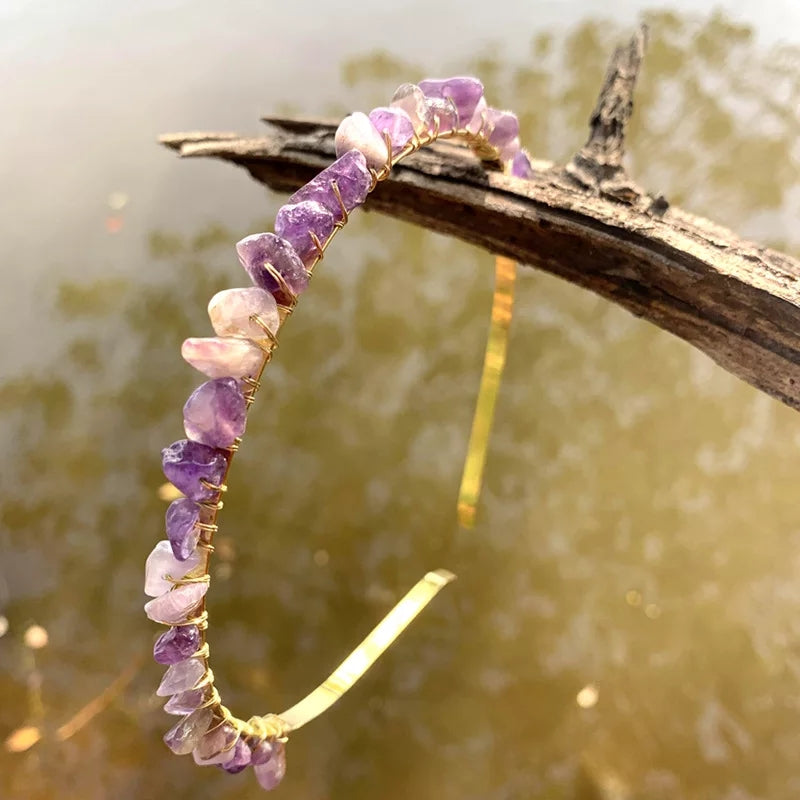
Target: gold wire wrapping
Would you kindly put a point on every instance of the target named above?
(256, 320)
(274, 726)
(317, 245)
(345, 213)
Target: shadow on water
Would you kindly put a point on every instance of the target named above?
(638, 531)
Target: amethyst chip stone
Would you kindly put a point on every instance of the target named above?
(231, 312)
(182, 516)
(443, 116)
(176, 644)
(181, 677)
(356, 132)
(262, 752)
(260, 249)
(409, 98)
(186, 463)
(185, 702)
(215, 413)
(216, 746)
(162, 569)
(297, 221)
(521, 165)
(396, 123)
(175, 606)
(353, 178)
(480, 120)
(463, 92)
(508, 151)
(223, 357)
(503, 127)
(270, 773)
(183, 738)
(239, 757)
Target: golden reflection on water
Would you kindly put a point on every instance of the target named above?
(625, 622)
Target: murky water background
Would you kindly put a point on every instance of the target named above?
(639, 532)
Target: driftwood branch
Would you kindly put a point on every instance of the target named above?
(586, 222)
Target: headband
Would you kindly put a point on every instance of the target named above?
(247, 322)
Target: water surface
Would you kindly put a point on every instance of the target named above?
(639, 530)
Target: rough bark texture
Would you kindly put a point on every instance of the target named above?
(587, 222)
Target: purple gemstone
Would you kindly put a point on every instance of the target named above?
(443, 111)
(504, 127)
(508, 151)
(240, 758)
(181, 677)
(260, 249)
(464, 92)
(215, 413)
(175, 607)
(262, 752)
(181, 517)
(183, 738)
(296, 223)
(353, 178)
(216, 746)
(521, 165)
(185, 463)
(396, 123)
(176, 644)
(479, 122)
(270, 773)
(185, 702)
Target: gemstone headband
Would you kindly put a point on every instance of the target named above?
(247, 322)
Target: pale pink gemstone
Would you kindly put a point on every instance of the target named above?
(181, 676)
(477, 122)
(410, 99)
(186, 702)
(230, 311)
(160, 563)
(271, 773)
(509, 151)
(175, 606)
(357, 132)
(185, 735)
(216, 357)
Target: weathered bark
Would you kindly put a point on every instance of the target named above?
(587, 222)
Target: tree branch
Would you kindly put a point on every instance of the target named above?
(587, 222)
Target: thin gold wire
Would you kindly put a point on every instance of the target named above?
(214, 487)
(274, 726)
(202, 652)
(387, 167)
(281, 281)
(204, 526)
(188, 579)
(338, 195)
(200, 619)
(207, 678)
(317, 246)
(256, 320)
